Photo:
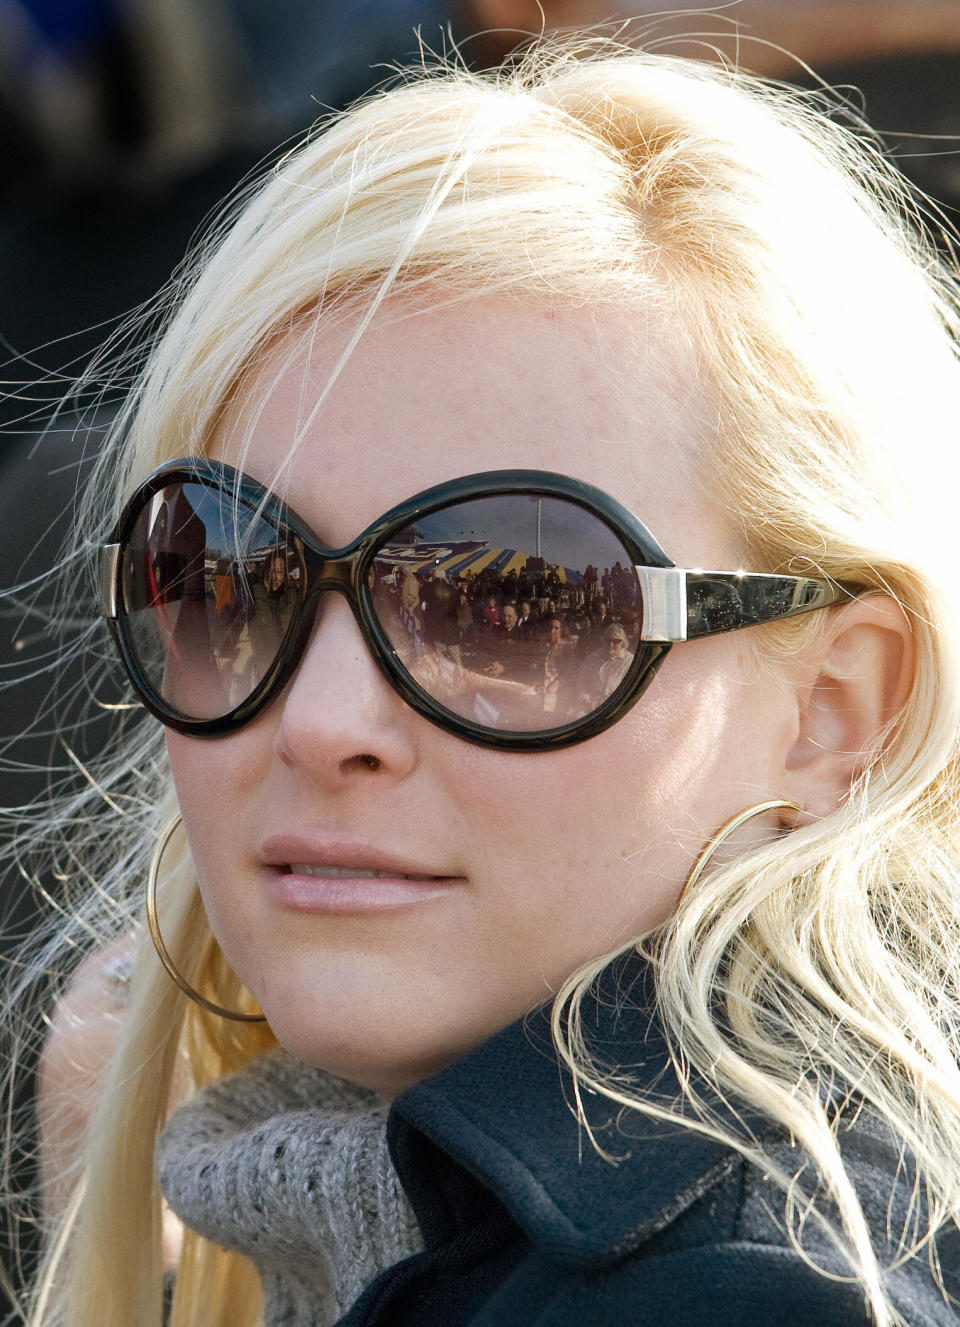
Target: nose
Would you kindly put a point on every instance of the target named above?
(340, 719)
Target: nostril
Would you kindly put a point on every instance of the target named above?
(361, 761)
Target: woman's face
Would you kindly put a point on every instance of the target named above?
(390, 894)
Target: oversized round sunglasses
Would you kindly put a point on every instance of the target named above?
(212, 586)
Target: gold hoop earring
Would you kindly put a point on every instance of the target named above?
(163, 953)
(724, 832)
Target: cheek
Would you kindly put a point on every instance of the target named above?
(215, 781)
(627, 812)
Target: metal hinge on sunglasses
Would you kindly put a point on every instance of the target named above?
(663, 593)
(107, 587)
(684, 605)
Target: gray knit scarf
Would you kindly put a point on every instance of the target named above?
(288, 1165)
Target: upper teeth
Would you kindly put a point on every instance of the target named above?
(349, 872)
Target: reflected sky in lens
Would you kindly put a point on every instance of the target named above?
(569, 536)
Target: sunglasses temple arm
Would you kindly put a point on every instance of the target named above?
(684, 605)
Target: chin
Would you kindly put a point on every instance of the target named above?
(381, 1025)
(380, 1062)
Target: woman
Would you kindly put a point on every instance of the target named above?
(613, 309)
(614, 660)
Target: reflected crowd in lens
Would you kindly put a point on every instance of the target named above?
(525, 650)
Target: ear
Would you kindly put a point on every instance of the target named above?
(855, 682)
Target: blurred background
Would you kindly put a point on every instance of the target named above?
(124, 123)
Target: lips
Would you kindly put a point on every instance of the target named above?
(307, 874)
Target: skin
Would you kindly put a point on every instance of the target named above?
(385, 995)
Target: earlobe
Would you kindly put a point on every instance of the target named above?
(858, 680)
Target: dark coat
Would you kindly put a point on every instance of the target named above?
(525, 1225)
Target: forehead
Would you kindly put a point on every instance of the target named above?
(346, 421)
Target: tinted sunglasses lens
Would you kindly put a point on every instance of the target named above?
(210, 592)
(491, 607)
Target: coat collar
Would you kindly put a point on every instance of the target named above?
(498, 1122)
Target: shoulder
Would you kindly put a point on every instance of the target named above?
(737, 1255)
(726, 1259)
(677, 1227)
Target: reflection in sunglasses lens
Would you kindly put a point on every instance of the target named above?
(467, 598)
(210, 590)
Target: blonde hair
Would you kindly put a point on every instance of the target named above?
(783, 253)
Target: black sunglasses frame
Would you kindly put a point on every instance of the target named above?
(345, 570)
